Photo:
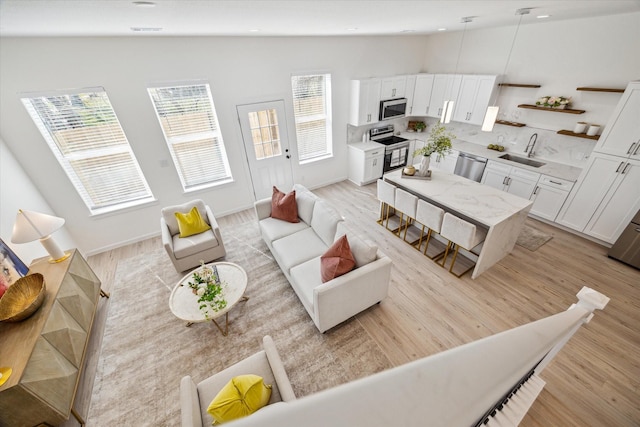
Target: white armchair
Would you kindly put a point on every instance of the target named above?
(195, 398)
(187, 252)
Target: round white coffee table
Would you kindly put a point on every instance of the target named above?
(184, 303)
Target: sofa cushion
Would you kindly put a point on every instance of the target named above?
(283, 206)
(273, 229)
(337, 260)
(306, 201)
(186, 246)
(241, 396)
(170, 218)
(324, 221)
(298, 248)
(306, 277)
(364, 251)
(191, 223)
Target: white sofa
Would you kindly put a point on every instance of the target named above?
(297, 248)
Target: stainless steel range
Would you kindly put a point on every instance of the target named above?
(396, 150)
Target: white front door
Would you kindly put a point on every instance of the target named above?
(264, 131)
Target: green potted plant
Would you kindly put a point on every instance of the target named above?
(420, 126)
(439, 142)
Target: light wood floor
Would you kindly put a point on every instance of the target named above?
(594, 381)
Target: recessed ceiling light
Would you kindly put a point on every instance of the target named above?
(254, 30)
(352, 29)
(145, 29)
(144, 4)
(442, 29)
(543, 16)
(408, 31)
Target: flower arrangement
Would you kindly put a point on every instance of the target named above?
(553, 101)
(439, 141)
(209, 288)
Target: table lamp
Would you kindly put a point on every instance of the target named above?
(30, 226)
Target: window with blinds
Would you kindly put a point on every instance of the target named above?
(190, 126)
(312, 111)
(85, 135)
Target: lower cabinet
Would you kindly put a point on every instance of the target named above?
(511, 179)
(366, 162)
(446, 163)
(606, 198)
(548, 196)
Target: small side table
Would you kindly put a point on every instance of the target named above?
(184, 303)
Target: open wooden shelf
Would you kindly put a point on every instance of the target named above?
(517, 85)
(600, 89)
(514, 124)
(555, 110)
(578, 135)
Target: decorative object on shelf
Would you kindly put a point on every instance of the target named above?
(439, 142)
(30, 226)
(23, 298)
(492, 112)
(593, 130)
(580, 127)
(11, 267)
(5, 373)
(559, 102)
(409, 170)
(209, 288)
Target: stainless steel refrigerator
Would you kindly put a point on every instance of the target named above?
(627, 247)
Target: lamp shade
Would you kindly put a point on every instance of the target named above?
(30, 226)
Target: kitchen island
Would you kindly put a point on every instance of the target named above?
(500, 213)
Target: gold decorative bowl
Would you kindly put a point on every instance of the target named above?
(23, 298)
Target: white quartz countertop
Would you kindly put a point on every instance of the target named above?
(479, 202)
(550, 168)
(366, 146)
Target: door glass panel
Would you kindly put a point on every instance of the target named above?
(265, 133)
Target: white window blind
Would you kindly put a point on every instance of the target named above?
(190, 126)
(312, 111)
(85, 135)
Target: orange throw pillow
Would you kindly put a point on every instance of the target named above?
(337, 261)
(283, 206)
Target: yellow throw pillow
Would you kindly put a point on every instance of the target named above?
(191, 223)
(241, 396)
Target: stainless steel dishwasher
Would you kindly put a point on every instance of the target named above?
(470, 166)
(627, 247)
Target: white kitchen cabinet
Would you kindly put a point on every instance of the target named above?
(422, 94)
(411, 86)
(621, 137)
(393, 87)
(366, 161)
(445, 88)
(548, 196)
(446, 163)
(475, 96)
(511, 179)
(365, 102)
(605, 199)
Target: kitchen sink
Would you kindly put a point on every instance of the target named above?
(523, 160)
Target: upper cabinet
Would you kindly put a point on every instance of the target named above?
(445, 87)
(393, 87)
(622, 135)
(474, 98)
(364, 106)
(422, 95)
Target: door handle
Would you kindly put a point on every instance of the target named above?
(619, 166)
(288, 156)
(637, 148)
(286, 150)
(555, 182)
(630, 150)
(625, 168)
(535, 191)
(504, 181)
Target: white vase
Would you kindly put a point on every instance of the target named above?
(424, 165)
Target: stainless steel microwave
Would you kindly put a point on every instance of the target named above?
(392, 108)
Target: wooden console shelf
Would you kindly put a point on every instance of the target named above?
(47, 350)
(600, 89)
(517, 85)
(578, 135)
(507, 123)
(555, 110)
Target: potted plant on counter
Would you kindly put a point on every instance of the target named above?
(439, 142)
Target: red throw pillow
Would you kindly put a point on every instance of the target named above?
(337, 260)
(283, 206)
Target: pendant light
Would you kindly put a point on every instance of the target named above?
(492, 111)
(447, 109)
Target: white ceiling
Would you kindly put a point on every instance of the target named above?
(282, 17)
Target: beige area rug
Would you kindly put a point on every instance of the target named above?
(146, 350)
(532, 239)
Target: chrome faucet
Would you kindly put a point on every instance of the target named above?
(531, 144)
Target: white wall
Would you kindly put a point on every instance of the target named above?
(240, 70)
(560, 56)
(18, 192)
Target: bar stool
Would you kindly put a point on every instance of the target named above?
(463, 235)
(430, 216)
(387, 197)
(406, 204)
